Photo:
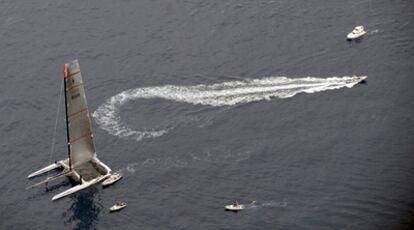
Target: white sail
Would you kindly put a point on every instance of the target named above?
(80, 138)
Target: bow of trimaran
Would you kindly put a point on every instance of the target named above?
(82, 163)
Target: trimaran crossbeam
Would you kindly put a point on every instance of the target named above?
(82, 164)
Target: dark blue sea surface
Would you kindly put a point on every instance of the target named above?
(337, 159)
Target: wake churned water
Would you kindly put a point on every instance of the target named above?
(221, 94)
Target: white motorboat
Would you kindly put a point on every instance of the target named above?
(112, 179)
(234, 207)
(356, 33)
(118, 206)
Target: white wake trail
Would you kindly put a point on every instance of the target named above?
(221, 94)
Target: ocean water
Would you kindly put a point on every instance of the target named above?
(201, 103)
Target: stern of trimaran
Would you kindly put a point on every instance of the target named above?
(82, 164)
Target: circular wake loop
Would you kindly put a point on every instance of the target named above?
(221, 94)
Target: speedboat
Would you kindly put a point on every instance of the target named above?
(114, 177)
(234, 207)
(118, 206)
(356, 33)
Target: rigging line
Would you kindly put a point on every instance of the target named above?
(56, 123)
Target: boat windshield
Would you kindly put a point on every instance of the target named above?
(359, 28)
(356, 31)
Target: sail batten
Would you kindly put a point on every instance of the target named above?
(72, 87)
(81, 144)
(78, 112)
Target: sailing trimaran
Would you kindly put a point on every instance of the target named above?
(82, 164)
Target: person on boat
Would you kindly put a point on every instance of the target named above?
(80, 178)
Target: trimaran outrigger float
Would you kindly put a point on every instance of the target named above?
(82, 164)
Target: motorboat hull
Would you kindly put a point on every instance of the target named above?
(356, 33)
(111, 179)
(117, 208)
(234, 208)
(352, 36)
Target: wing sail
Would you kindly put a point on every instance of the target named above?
(80, 138)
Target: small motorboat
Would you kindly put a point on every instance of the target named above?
(234, 207)
(356, 33)
(118, 206)
(112, 179)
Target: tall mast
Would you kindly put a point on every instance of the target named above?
(65, 74)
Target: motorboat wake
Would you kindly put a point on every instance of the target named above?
(107, 116)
